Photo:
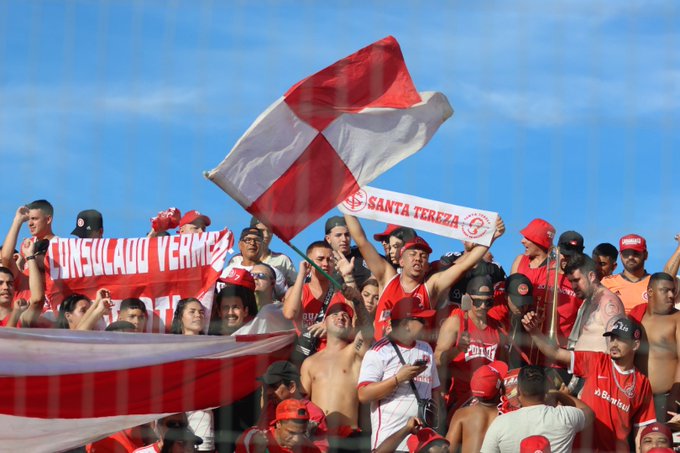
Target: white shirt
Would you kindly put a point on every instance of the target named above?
(391, 413)
(269, 319)
(558, 424)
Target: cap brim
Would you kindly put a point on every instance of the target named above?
(617, 335)
(521, 301)
(425, 314)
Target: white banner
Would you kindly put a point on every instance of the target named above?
(458, 222)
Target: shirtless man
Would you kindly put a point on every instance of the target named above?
(659, 354)
(412, 282)
(331, 375)
(600, 310)
(469, 424)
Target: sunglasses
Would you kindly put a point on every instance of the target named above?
(479, 302)
(251, 241)
(260, 276)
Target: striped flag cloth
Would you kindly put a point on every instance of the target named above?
(331, 133)
(60, 389)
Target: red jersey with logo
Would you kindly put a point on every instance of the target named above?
(630, 293)
(567, 302)
(311, 306)
(391, 294)
(485, 345)
(245, 443)
(621, 400)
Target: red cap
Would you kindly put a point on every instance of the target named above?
(486, 381)
(632, 242)
(539, 232)
(535, 444)
(239, 277)
(192, 216)
(657, 427)
(417, 243)
(339, 305)
(391, 228)
(416, 442)
(410, 307)
(292, 409)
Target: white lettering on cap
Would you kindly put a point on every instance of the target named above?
(631, 241)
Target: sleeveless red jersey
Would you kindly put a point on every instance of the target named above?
(311, 306)
(391, 294)
(485, 345)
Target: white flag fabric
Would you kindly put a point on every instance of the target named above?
(330, 134)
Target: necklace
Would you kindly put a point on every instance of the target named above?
(628, 391)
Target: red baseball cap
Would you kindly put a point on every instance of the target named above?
(292, 409)
(535, 444)
(339, 305)
(417, 243)
(192, 216)
(410, 307)
(391, 228)
(239, 277)
(657, 427)
(539, 232)
(486, 380)
(424, 437)
(632, 242)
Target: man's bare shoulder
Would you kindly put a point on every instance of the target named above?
(471, 414)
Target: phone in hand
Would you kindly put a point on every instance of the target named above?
(420, 362)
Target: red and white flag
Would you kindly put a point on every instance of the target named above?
(331, 133)
(60, 389)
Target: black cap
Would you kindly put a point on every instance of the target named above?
(570, 242)
(182, 434)
(88, 222)
(476, 284)
(333, 222)
(254, 231)
(279, 371)
(625, 328)
(519, 289)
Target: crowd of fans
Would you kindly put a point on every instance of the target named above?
(400, 351)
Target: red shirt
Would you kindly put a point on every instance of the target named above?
(245, 444)
(311, 306)
(120, 442)
(567, 302)
(484, 348)
(620, 400)
(391, 294)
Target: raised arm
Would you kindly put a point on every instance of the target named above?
(447, 347)
(292, 303)
(101, 306)
(363, 340)
(442, 281)
(10, 243)
(36, 283)
(391, 444)
(673, 264)
(379, 267)
(532, 324)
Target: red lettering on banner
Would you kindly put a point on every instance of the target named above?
(371, 203)
(406, 210)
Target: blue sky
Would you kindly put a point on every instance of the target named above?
(565, 110)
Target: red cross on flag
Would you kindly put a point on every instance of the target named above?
(330, 134)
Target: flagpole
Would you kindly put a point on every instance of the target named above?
(306, 258)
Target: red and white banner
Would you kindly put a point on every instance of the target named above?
(60, 389)
(330, 134)
(160, 271)
(458, 222)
